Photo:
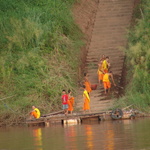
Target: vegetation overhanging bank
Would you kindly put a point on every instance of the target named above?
(138, 61)
(39, 55)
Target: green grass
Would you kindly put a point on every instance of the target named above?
(39, 54)
(138, 61)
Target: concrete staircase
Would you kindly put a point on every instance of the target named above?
(109, 38)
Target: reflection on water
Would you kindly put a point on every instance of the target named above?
(37, 134)
(70, 140)
(89, 136)
(110, 138)
(108, 135)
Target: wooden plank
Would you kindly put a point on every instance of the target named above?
(54, 113)
(53, 118)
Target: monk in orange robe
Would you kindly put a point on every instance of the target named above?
(86, 105)
(35, 112)
(100, 72)
(106, 81)
(70, 102)
(87, 83)
(106, 64)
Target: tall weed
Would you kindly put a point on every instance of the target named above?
(138, 61)
(39, 54)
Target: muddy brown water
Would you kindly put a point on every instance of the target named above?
(108, 135)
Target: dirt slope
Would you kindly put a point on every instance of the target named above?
(84, 13)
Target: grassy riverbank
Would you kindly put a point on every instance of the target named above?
(138, 61)
(39, 53)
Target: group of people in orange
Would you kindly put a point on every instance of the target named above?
(104, 73)
(68, 99)
(104, 76)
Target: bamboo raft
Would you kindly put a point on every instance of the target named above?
(78, 118)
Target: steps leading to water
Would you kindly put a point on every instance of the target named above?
(109, 38)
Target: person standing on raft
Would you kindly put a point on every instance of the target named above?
(87, 83)
(65, 102)
(70, 102)
(106, 81)
(86, 99)
(35, 112)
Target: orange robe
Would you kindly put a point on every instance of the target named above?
(36, 113)
(88, 86)
(70, 104)
(86, 97)
(105, 66)
(106, 81)
(100, 73)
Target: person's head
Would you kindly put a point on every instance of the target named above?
(33, 107)
(69, 91)
(64, 91)
(102, 57)
(107, 58)
(85, 74)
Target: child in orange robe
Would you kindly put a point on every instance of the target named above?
(70, 102)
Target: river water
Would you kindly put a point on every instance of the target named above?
(107, 135)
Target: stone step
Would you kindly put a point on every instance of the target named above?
(109, 53)
(95, 105)
(113, 60)
(92, 67)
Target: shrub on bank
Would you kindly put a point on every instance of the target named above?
(138, 61)
(39, 48)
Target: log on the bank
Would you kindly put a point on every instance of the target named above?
(128, 115)
(127, 107)
(54, 113)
